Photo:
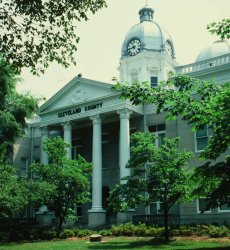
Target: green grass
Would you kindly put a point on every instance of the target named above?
(117, 243)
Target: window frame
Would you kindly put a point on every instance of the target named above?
(198, 207)
(196, 144)
(157, 133)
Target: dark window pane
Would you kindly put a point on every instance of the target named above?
(202, 143)
(153, 128)
(161, 127)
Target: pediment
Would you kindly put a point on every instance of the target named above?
(77, 91)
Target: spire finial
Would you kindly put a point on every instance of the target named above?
(146, 3)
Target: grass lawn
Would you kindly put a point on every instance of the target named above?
(120, 243)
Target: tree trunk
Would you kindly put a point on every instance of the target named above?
(166, 224)
(59, 226)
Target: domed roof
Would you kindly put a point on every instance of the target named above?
(152, 37)
(218, 48)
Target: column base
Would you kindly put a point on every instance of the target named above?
(123, 217)
(97, 218)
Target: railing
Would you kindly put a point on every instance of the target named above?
(156, 219)
(205, 64)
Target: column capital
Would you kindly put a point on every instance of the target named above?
(124, 113)
(96, 119)
(44, 130)
(67, 126)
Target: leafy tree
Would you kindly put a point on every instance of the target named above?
(14, 107)
(160, 171)
(199, 103)
(70, 179)
(221, 28)
(36, 32)
(13, 192)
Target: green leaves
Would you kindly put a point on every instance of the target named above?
(161, 172)
(221, 28)
(14, 107)
(35, 33)
(68, 180)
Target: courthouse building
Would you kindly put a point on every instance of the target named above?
(89, 115)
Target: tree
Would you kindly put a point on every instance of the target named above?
(221, 28)
(14, 107)
(13, 195)
(200, 104)
(160, 171)
(70, 179)
(37, 32)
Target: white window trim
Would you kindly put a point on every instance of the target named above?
(198, 210)
(158, 206)
(195, 138)
(222, 211)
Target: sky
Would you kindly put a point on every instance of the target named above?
(101, 38)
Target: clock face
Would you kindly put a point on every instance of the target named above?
(134, 47)
(169, 48)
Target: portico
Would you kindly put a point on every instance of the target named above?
(87, 122)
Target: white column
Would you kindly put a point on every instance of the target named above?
(96, 213)
(67, 127)
(97, 164)
(44, 136)
(124, 147)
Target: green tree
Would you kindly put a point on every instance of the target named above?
(14, 107)
(13, 192)
(37, 32)
(70, 179)
(221, 28)
(161, 172)
(200, 104)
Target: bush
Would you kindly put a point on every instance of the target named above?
(85, 232)
(106, 232)
(47, 234)
(217, 232)
(67, 233)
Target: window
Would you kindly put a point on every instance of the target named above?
(78, 210)
(134, 77)
(155, 207)
(224, 208)
(154, 81)
(77, 148)
(54, 133)
(24, 167)
(201, 139)
(202, 205)
(105, 150)
(159, 131)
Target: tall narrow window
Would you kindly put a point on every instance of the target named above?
(105, 150)
(77, 148)
(159, 130)
(24, 167)
(202, 205)
(201, 139)
(134, 77)
(154, 81)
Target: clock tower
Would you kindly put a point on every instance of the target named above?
(147, 52)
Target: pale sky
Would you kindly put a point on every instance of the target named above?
(102, 36)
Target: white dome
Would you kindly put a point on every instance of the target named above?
(151, 35)
(218, 48)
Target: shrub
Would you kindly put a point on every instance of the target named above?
(106, 232)
(47, 234)
(85, 232)
(4, 236)
(67, 233)
(217, 232)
